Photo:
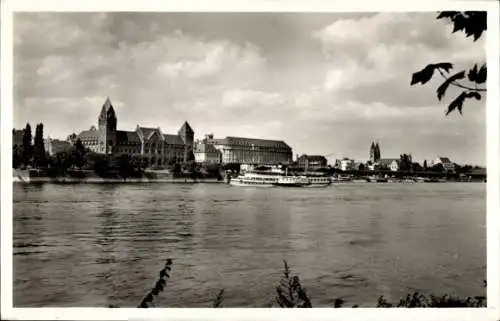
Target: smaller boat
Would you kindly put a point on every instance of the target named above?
(377, 179)
(419, 179)
(341, 179)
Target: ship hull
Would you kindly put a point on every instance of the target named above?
(249, 184)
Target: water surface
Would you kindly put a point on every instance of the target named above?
(96, 245)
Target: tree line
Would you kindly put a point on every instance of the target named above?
(31, 153)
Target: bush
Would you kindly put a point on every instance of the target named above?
(291, 294)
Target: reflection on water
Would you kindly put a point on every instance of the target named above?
(97, 245)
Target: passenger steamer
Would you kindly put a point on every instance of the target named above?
(256, 179)
(273, 179)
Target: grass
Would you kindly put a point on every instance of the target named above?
(291, 294)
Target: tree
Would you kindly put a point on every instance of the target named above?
(416, 167)
(39, 147)
(472, 23)
(190, 156)
(425, 165)
(177, 170)
(438, 168)
(405, 163)
(27, 148)
(78, 153)
(17, 156)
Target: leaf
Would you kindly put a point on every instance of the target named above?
(478, 23)
(447, 14)
(459, 22)
(446, 66)
(474, 94)
(472, 75)
(444, 86)
(422, 76)
(481, 75)
(459, 101)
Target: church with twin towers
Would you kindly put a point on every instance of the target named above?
(155, 147)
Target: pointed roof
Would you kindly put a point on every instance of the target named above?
(186, 128)
(148, 132)
(107, 106)
(124, 137)
(173, 139)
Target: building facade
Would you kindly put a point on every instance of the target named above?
(311, 162)
(151, 144)
(54, 146)
(17, 137)
(392, 164)
(346, 164)
(252, 151)
(205, 151)
(445, 161)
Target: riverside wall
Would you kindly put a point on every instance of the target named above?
(36, 176)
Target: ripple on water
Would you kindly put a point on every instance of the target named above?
(94, 245)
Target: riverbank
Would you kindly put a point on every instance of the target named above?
(77, 177)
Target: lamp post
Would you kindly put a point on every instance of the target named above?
(253, 154)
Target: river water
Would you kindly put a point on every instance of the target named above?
(99, 245)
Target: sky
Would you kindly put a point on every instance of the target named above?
(325, 83)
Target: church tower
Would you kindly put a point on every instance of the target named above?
(372, 153)
(187, 135)
(377, 152)
(107, 128)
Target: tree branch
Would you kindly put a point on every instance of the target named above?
(454, 83)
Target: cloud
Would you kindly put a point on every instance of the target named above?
(213, 57)
(322, 82)
(421, 30)
(367, 55)
(250, 98)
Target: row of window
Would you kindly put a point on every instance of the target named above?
(257, 148)
(96, 142)
(255, 159)
(247, 143)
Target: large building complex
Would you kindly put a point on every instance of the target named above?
(244, 151)
(254, 151)
(155, 147)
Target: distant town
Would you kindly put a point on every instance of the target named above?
(150, 148)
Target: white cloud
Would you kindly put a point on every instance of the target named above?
(157, 76)
(212, 58)
(250, 98)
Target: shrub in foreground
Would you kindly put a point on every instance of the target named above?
(291, 294)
